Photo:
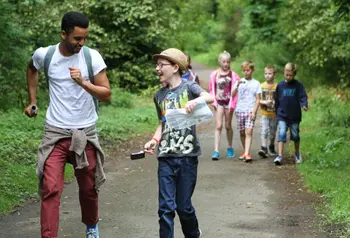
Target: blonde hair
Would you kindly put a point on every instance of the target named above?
(248, 64)
(291, 67)
(224, 53)
(271, 67)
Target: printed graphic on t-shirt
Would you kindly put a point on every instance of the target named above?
(288, 92)
(268, 95)
(175, 141)
(223, 88)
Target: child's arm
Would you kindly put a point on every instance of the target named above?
(208, 98)
(256, 106)
(303, 98)
(235, 88)
(266, 102)
(150, 146)
(276, 99)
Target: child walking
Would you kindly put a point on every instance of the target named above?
(249, 92)
(190, 75)
(178, 150)
(221, 88)
(268, 113)
(289, 99)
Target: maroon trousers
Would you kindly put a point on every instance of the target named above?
(53, 182)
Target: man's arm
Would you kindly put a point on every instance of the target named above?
(99, 89)
(32, 85)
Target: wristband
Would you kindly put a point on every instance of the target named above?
(155, 140)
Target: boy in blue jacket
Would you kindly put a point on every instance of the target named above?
(290, 97)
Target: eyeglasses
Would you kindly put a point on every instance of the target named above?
(160, 65)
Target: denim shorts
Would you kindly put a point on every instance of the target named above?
(283, 128)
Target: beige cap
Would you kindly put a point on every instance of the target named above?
(175, 56)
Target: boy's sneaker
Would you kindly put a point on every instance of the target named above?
(263, 152)
(200, 233)
(215, 155)
(278, 160)
(230, 153)
(92, 232)
(272, 150)
(298, 158)
(242, 156)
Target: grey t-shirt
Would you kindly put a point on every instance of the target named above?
(177, 143)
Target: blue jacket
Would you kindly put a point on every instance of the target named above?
(289, 98)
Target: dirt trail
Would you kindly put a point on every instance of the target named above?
(232, 198)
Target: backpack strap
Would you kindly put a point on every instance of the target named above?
(47, 60)
(88, 61)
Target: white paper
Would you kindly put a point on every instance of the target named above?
(179, 119)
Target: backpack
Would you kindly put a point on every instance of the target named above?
(87, 56)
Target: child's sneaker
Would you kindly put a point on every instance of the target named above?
(272, 150)
(215, 155)
(200, 233)
(242, 156)
(263, 152)
(278, 160)
(230, 153)
(248, 158)
(298, 158)
(92, 231)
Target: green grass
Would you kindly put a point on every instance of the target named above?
(126, 116)
(325, 144)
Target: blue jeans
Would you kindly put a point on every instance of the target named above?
(283, 128)
(177, 179)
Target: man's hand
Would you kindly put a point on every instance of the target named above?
(75, 74)
(31, 110)
(150, 146)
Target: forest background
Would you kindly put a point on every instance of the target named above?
(312, 33)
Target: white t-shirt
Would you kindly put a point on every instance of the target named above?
(247, 95)
(71, 106)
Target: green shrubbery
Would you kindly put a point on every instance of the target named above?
(325, 145)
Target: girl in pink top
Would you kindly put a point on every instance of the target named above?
(221, 85)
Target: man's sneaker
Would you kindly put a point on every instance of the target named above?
(215, 155)
(298, 158)
(278, 160)
(242, 156)
(92, 231)
(263, 152)
(230, 153)
(272, 150)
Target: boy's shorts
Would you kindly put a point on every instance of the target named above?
(268, 127)
(283, 128)
(244, 121)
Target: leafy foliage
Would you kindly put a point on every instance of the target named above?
(13, 58)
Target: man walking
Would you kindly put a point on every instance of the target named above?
(77, 79)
